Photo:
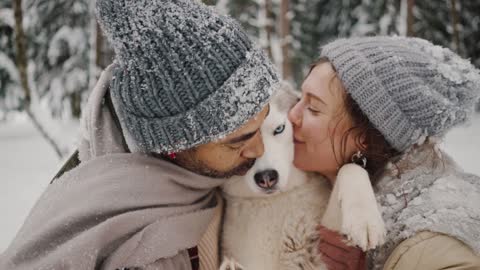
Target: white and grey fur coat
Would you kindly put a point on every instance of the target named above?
(427, 195)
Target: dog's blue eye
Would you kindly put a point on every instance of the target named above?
(279, 130)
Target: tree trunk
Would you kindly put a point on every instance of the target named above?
(103, 51)
(92, 44)
(76, 104)
(269, 27)
(410, 18)
(21, 58)
(455, 36)
(98, 45)
(21, 54)
(285, 40)
(209, 2)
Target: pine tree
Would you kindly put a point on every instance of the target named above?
(30, 101)
(58, 33)
(452, 24)
(469, 32)
(315, 22)
(67, 50)
(10, 90)
(245, 11)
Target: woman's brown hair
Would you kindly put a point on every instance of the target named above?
(368, 139)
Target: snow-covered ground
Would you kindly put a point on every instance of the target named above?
(463, 144)
(27, 163)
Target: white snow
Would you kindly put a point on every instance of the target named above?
(402, 19)
(8, 65)
(463, 144)
(27, 163)
(222, 7)
(6, 17)
(73, 37)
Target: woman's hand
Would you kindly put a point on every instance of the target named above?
(336, 254)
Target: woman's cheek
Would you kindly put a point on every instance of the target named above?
(316, 129)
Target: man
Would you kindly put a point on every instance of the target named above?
(179, 110)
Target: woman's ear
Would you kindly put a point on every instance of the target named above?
(361, 142)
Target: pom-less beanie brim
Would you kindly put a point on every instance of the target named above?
(408, 88)
(245, 93)
(184, 75)
(359, 78)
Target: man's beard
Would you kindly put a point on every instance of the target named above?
(200, 168)
(197, 166)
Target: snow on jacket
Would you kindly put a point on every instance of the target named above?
(428, 197)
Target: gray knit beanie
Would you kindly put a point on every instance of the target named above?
(408, 88)
(184, 74)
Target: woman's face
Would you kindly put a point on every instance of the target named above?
(320, 122)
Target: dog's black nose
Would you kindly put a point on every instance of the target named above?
(266, 179)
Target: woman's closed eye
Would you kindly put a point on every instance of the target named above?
(314, 110)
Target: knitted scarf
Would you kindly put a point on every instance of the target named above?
(115, 209)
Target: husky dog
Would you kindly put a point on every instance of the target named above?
(273, 212)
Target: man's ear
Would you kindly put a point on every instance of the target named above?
(187, 154)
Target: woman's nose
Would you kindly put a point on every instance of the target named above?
(294, 115)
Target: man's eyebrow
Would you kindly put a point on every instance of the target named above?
(242, 138)
(246, 137)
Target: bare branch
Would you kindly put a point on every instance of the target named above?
(21, 58)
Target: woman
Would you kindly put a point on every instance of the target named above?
(382, 102)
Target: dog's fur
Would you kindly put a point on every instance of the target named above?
(276, 228)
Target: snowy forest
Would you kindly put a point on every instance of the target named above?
(51, 52)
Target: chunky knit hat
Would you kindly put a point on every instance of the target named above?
(407, 87)
(184, 74)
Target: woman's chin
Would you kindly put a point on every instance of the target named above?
(300, 164)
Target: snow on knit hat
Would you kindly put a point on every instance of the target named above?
(184, 74)
(407, 87)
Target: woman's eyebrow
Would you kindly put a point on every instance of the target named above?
(316, 98)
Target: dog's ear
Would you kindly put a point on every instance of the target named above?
(286, 97)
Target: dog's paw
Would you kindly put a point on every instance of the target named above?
(362, 222)
(363, 229)
(230, 264)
